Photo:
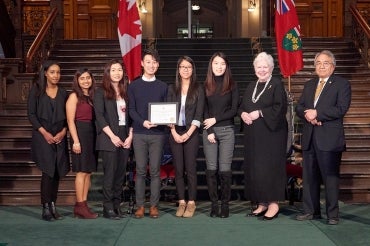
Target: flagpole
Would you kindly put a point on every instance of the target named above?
(289, 83)
(189, 19)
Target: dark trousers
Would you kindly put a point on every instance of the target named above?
(321, 166)
(114, 167)
(185, 162)
(49, 187)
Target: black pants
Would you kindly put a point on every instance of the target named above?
(184, 160)
(114, 167)
(321, 166)
(49, 187)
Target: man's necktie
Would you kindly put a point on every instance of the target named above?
(319, 88)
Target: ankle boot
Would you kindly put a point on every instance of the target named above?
(225, 178)
(54, 211)
(93, 214)
(212, 191)
(81, 211)
(46, 215)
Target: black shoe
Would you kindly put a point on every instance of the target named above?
(270, 218)
(302, 217)
(257, 214)
(214, 210)
(54, 211)
(110, 214)
(119, 213)
(334, 221)
(46, 214)
(224, 211)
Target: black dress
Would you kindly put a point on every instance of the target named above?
(265, 143)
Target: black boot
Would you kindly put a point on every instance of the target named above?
(225, 178)
(54, 211)
(212, 191)
(46, 215)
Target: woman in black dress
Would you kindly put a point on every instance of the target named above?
(80, 118)
(46, 112)
(263, 112)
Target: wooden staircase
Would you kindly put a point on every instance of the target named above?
(19, 177)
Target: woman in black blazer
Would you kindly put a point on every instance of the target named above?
(184, 138)
(114, 134)
(47, 114)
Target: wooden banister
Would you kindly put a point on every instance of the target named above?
(40, 38)
(361, 33)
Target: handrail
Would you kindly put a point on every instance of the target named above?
(360, 19)
(39, 39)
(361, 33)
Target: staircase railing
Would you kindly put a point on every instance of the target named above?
(43, 43)
(361, 33)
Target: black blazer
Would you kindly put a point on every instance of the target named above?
(194, 110)
(106, 115)
(331, 107)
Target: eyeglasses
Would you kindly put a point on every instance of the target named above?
(185, 67)
(325, 64)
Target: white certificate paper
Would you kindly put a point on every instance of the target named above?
(163, 113)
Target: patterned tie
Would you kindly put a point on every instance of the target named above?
(319, 88)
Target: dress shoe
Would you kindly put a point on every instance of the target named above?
(153, 212)
(257, 214)
(271, 218)
(181, 209)
(119, 212)
(333, 221)
(46, 214)
(110, 214)
(190, 209)
(214, 210)
(224, 211)
(54, 212)
(302, 217)
(140, 211)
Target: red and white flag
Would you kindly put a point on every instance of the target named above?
(129, 35)
(288, 38)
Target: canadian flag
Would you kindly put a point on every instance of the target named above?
(129, 35)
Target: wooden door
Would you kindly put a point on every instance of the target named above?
(103, 15)
(90, 19)
(320, 18)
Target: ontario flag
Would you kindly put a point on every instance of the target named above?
(129, 35)
(288, 38)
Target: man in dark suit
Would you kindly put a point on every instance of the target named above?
(322, 106)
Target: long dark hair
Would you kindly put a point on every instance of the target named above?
(42, 81)
(109, 91)
(210, 83)
(77, 89)
(193, 86)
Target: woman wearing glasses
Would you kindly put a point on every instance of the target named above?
(184, 138)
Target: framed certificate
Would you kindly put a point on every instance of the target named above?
(163, 113)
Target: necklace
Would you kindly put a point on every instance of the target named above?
(254, 98)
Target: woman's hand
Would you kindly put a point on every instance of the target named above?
(211, 138)
(209, 123)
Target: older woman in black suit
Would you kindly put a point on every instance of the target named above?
(114, 135)
(184, 138)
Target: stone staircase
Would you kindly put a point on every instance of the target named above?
(19, 177)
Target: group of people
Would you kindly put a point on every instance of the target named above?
(114, 118)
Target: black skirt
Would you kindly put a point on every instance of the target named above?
(87, 160)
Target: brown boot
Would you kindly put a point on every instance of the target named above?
(153, 212)
(81, 211)
(95, 215)
(140, 212)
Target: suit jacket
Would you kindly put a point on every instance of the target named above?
(193, 110)
(106, 115)
(331, 107)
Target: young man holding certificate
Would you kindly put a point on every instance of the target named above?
(149, 138)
